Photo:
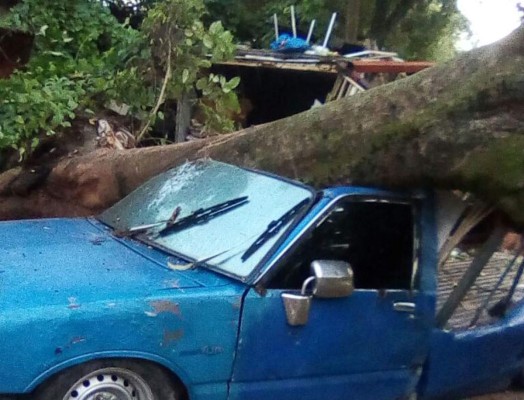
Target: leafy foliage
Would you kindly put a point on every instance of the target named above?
(33, 106)
(80, 58)
(428, 30)
(83, 58)
(180, 39)
(423, 29)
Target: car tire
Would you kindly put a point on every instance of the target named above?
(113, 380)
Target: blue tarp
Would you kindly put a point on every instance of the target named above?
(286, 42)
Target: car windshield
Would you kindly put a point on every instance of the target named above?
(175, 208)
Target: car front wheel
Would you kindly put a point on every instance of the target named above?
(111, 380)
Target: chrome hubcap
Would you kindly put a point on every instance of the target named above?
(110, 384)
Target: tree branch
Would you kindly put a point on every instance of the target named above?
(161, 96)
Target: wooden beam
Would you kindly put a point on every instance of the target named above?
(392, 67)
(292, 66)
(368, 66)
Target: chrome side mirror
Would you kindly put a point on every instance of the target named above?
(297, 305)
(332, 279)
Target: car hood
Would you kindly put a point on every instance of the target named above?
(57, 260)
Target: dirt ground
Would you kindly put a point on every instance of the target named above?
(509, 395)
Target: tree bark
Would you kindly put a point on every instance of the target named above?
(457, 125)
(352, 18)
(386, 16)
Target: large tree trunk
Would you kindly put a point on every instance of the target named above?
(457, 125)
(352, 18)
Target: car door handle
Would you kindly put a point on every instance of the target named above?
(404, 307)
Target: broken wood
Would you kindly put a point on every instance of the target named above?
(474, 216)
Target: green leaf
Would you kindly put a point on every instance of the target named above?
(216, 27)
(42, 30)
(201, 83)
(208, 42)
(185, 75)
(234, 82)
(55, 53)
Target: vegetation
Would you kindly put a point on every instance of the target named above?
(183, 47)
(83, 58)
(423, 29)
(89, 53)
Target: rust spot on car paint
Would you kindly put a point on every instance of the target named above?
(73, 305)
(163, 306)
(172, 336)
(172, 284)
(77, 339)
(74, 340)
(97, 240)
(211, 350)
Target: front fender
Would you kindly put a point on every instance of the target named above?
(192, 332)
(168, 364)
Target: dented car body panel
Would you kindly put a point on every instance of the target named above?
(476, 361)
(74, 290)
(84, 294)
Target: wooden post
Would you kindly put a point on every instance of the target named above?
(183, 117)
(469, 277)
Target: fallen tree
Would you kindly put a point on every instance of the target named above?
(458, 125)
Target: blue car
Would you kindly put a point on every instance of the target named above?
(214, 282)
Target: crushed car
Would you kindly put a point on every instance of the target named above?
(212, 281)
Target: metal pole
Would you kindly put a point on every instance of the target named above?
(293, 21)
(330, 29)
(310, 33)
(275, 20)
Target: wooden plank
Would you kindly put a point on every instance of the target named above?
(292, 66)
(392, 67)
(367, 66)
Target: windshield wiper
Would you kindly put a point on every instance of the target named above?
(202, 215)
(273, 228)
(138, 230)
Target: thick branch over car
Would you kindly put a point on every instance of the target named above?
(458, 125)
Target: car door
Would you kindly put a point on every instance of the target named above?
(370, 345)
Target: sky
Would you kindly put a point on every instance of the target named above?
(490, 20)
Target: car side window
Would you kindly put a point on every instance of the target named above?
(376, 238)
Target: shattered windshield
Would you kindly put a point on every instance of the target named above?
(207, 210)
